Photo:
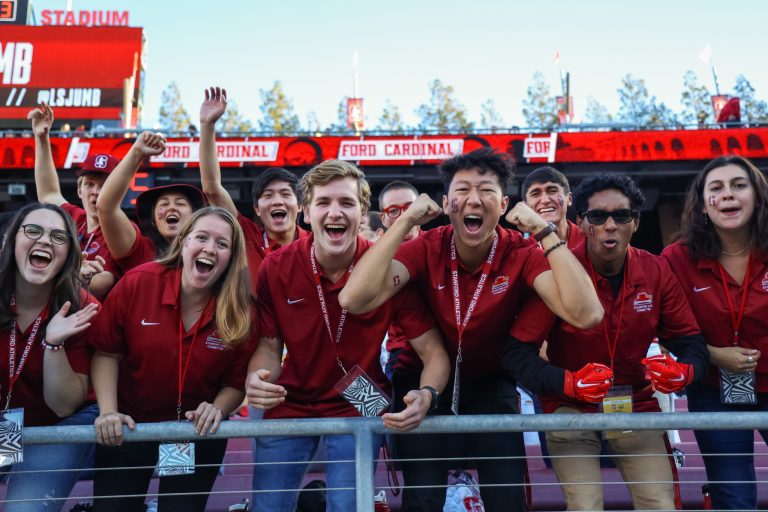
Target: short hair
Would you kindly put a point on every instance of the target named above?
(330, 170)
(483, 160)
(545, 174)
(271, 174)
(698, 234)
(374, 221)
(608, 181)
(232, 291)
(396, 185)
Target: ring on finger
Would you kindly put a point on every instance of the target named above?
(750, 359)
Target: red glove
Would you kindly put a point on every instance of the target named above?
(590, 384)
(666, 374)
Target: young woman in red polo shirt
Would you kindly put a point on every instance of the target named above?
(43, 310)
(174, 344)
(160, 211)
(721, 260)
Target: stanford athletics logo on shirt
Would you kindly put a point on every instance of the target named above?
(643, 302)
(214, 343)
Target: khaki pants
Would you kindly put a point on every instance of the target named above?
(580, 476)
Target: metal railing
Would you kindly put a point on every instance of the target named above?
(364, 428)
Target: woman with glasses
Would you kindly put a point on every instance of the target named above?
(607, 365)
(173, 344)
(721, 259)
(43, 352)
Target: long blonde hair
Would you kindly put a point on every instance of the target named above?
(233, 295)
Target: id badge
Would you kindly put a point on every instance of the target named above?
(737, 388)
(11, 428)
(176, 459)
(456, 380)
(362, 393)
(618, 400)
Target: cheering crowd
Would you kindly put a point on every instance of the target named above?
(196, 308)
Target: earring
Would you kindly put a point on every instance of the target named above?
(706, 218)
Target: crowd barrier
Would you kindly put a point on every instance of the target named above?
(364, 428)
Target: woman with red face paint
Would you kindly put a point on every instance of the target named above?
(43, 315)
(173, 343)
(721, 260)
(160, 210)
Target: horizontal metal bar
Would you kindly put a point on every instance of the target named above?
(439, 424)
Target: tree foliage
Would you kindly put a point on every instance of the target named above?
(752, 109)
(442, 112)
(390, 118)
(539, 106)
(277, 111)
(233, 120)
(173, 115)
(638, 107)
(697, 106)
(596, 112)
(490, 119)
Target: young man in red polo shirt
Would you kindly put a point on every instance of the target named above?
(275, 192)
(474, 275)
(99, 268)
(547, 192)
(298, 289)
(607, 363)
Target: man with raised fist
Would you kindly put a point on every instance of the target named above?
(604, 368)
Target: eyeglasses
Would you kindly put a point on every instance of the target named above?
(35, 232)
(599, 217)
(395, 210)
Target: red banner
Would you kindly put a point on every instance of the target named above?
(355, 114)
(79, 71)
(718, 102)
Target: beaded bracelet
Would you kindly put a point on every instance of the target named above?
(558, 244)
(48, 346)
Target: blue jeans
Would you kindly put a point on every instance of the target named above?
(53, 486)
(286, 479)
(727, 468)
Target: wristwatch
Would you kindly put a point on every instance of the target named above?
(435, 397)
(549, 228)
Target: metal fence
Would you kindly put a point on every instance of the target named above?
(364, 428)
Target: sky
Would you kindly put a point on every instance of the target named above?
(484, 49)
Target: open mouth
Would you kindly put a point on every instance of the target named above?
(610, 244)
(730, 211)
(40, 259)
(279, 214)
(172, 219)
(473, 223)
(203, 265)
(335, 231)
(548, 209)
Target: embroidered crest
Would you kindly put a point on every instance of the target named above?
(500, 285)
(643, 302)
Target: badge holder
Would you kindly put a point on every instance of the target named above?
(456, 384)
(737, 388)
(362, 393)
(11, 429)
(176, 459)
(618, 400)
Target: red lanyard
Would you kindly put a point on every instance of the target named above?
(267, 248)
(324, 307)
(462, 325)
(185, 365)
(620, 297)
(736, 318)
(13, 372)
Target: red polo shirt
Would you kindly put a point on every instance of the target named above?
(254, 244)
(142, 251)
(140, 321)
(575, 235)
(516, 265)
(650, 304)
(289, 309)
(703, 285)
(28, 390)
(95, 239)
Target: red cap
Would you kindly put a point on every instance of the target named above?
(101, 163)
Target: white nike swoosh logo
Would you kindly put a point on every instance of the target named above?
(440, 286)
(579, 384)
(144, 322)
(294, 301)
(697, 290)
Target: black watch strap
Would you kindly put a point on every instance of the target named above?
(435, 397)
(549, 228)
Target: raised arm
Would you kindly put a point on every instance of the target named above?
(377, 276)
(566, 289)
(115, 225)
(46, 179)
(211, 110)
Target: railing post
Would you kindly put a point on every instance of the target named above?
(364, 467)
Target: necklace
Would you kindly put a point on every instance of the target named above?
(739, 253)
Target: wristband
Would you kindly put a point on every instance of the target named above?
(549, 228)
(51, 347)
(435, 397)
(558, 244)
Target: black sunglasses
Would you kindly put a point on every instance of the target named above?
(35, 232)
(599, 217)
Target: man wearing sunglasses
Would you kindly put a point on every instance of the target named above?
(604, 368)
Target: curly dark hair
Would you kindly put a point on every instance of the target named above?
(607, 181)
(67, 284)
(483, 160)
(698, 234)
